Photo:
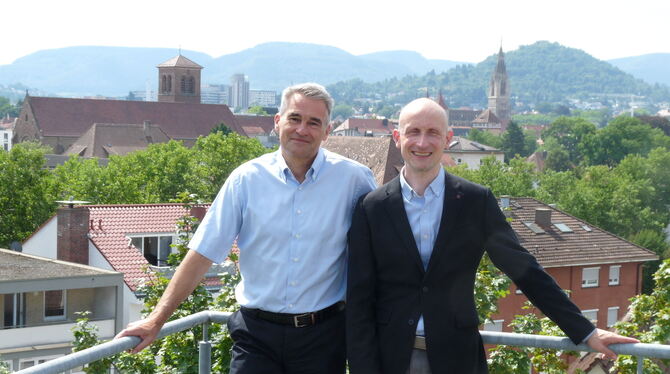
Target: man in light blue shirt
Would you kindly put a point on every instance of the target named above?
(289, 211)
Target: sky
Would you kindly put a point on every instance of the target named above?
(457, 30)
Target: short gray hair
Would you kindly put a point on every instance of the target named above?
(311, 90)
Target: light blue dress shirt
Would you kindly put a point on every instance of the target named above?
(424, 214)
(292, 236)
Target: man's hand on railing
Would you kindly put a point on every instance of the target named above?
(145, 329)
(601, 339)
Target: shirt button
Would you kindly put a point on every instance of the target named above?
(298, 211)
(300, 188)
(425, 236)
(425, 289)
(295, 259)
(290, 305)
(297, 236)
(410, 322)
(293, 283)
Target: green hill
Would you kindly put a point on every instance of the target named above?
(541, 72)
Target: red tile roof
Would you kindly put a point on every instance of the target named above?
(112, 224)
(554, 248)
(104, 139)
(367, 124)
(379, 154)
(181, 62)
(267, 123)
(57, 116)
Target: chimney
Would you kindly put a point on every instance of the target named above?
(72, 232)
(543, 217)
(198, 212)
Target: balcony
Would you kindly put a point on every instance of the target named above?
(640, 350)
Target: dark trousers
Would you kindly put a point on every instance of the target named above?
(265, 347)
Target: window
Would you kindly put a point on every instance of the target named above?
(155, 249)
(590, 277)
(25, 363)
(54, 305)
(14, 310)
(615, 270)
(612, 315)
(591, 315)
(495, 325)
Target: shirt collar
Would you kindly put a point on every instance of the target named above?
(313, 171)
(436, 187)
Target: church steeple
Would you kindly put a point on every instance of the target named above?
(499, 91)
(179, 80)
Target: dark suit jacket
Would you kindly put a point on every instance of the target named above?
(388, 289)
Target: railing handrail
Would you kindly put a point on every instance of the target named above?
(113, 347)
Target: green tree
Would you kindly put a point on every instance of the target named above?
(217, 155)
(486, 138)
(649, 321)
(621, 137)
(568, 134)
(222, 128)
(342, 110)
(82, 179)
(26, 198)
(513, 142)
(258, 110)
(7, 108)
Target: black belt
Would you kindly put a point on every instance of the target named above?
(297, 320)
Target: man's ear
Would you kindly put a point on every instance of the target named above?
(396, 138)
(277, 118)
(450, 135)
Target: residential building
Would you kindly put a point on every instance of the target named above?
(130, 239)
(239, 91)
(105, 139)
(471, 153)
(40, 299)
(6, 133)
(264, 98)
(59, 122)
(599, 270)
(179, 81)
(364, 127)
(259, 127)
(380, 154)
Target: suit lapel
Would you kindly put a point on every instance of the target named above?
(396, 209)
(451, 209)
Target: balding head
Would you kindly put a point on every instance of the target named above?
(421, 106)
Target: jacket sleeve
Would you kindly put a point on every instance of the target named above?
(537, 285)
(362, 342)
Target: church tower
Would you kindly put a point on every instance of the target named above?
(499, 90)
(179, 81)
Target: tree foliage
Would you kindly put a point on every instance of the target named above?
(26, 192)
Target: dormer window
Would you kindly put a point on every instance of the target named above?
(154, 248)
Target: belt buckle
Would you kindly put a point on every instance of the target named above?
(298, 323)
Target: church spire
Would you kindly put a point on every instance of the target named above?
(499, 91)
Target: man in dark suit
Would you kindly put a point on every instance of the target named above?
(414, 247)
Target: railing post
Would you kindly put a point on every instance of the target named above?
(205, 352)
(640, 364)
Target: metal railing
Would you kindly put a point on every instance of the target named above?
(77, 359)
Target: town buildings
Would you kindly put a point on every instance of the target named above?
(6, 133)
(599, 270)
(132, 239)
(40, 299)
